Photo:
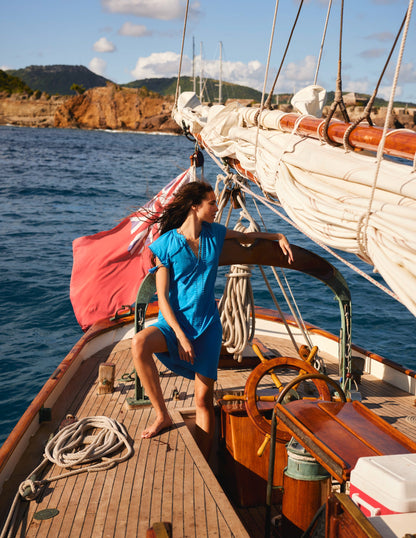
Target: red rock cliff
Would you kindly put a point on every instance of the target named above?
(113, 107)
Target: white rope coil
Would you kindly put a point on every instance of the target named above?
(72, 446)
(236, 306)
(64, 449)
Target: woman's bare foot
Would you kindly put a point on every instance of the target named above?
(158, 425)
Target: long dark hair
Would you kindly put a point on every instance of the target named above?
(176, 212)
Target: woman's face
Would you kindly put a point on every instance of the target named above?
(207, 209)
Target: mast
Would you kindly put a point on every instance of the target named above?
(193, 65)
(201, 91)
(220, 78)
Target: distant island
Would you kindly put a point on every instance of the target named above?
(75, 97)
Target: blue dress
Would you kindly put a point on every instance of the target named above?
(192, 298)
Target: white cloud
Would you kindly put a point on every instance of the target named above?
(385, 92)
(407, 73)
(160, 64)
(103, 45)
(300, 72)
(382, 36)
(165, 64)
(98, 66)
(358, 86)
(134, 30)
(153, 9)
(5, 67)
(369, 54)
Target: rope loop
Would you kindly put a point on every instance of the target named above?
(362, 239)
(35, 488)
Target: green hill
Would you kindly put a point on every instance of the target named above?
(167, 86)
(58, 79)
(11, 84)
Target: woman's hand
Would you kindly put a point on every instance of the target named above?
(285, 246)
(186, 350)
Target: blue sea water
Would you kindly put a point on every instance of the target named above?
(56, 185)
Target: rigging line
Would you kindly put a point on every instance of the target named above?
(380, 148)
(292, 305)
(266, 74)
(338, 100)
(269, 98)
(369, 106)
(300, 325)
(181, 57)
(322, 42)
(266, 203)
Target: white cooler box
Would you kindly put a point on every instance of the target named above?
(382, 485)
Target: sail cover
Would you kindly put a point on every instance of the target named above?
(325, 190)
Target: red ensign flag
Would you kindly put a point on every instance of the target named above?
(109, 266)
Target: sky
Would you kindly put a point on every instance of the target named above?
(126, 40)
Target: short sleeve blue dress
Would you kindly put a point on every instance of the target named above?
(192, 298)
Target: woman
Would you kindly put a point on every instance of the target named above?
(187, 336)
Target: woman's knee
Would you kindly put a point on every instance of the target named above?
(138, 342)
(147, 342)
(204, 392)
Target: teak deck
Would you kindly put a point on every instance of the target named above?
(167, 479)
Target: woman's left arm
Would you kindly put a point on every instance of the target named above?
(250, 237)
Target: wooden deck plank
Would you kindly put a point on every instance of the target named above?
(138, 468)
(91, 507)
(217, 495)
(167, 477)
(178, 485)
(147, 488)
(188, 495)
(200, 502)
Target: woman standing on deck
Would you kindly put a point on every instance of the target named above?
(187, 336)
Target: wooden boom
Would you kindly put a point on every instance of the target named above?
(400, 143)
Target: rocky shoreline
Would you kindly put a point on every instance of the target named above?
(108, 107)
(119, 108)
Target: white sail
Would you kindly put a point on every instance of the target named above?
(324, 189)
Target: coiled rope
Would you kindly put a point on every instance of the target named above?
(72, 446)
(236, 306)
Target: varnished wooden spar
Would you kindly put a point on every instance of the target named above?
(400, 143)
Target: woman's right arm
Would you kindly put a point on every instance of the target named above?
(186, 351)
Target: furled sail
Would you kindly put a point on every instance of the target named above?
(328, 192)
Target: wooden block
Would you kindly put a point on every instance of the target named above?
(106, 378)
(159, 530)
